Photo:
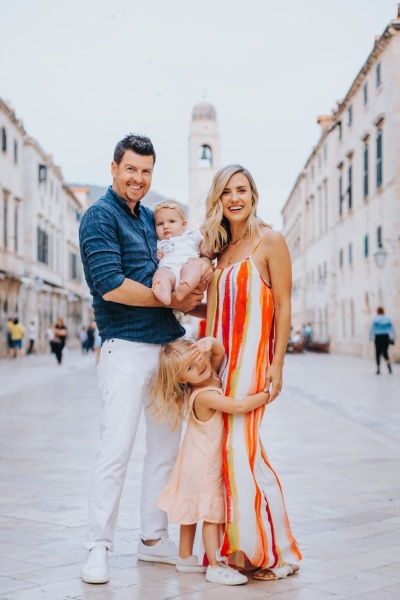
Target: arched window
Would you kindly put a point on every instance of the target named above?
(205, 157)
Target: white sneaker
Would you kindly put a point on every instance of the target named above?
(189, 565)
(95, 569)
(165, 551)
(225, 575)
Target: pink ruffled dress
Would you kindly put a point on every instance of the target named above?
(195, 490)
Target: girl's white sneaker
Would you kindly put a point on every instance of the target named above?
(189, 565)
(225, 575)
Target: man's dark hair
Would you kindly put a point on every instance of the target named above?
(137, 143)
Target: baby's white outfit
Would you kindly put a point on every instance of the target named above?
(177, 251)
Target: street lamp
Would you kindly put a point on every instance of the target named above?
(380, 256)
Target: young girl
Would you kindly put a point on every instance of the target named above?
(178, 250)
(187, 383)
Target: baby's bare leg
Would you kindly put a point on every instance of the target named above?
(163, 284)
(190, 278)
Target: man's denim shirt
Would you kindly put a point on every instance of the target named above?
(116, 244)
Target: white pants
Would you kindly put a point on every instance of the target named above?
(125, 371)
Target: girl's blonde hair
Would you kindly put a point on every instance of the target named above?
(169, 397)
(216, 229)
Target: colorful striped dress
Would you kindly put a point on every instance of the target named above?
(240, 313)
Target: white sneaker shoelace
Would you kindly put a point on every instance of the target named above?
(98, 557)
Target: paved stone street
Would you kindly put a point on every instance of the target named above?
(333, 437)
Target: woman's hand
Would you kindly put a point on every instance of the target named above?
(207, 271)
(273, 381)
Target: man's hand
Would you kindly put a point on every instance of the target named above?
(188, 303)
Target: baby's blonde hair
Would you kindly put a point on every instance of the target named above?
(171, 204)
(169, 397)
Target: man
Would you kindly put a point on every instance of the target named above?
(118, 249)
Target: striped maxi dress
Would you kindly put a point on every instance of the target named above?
(240, 313)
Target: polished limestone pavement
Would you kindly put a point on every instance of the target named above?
(333, 436)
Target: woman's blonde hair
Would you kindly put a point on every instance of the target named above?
(216, 229)
(169, 397)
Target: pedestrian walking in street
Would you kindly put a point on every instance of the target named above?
(90, 337)
(50, 336)
(9, 340)
(118, 248)
(248, 309)
(83, 337)
(60, 337)
(32, 335)
(97, 343)
(17, 334)
(383, 334)
(187, 384)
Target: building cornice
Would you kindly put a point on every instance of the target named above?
(10, 112)
(47, 158)
(380, 44)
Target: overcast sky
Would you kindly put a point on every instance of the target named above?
(83, 73)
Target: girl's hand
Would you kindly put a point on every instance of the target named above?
(201, 347)
(160, 254)
(273, 382)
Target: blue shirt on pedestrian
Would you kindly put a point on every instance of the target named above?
(117, 244)
(382, 325)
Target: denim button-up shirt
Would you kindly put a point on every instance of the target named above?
(116, 244)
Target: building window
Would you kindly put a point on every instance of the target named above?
(15, 151)
(365, 94)
(43, 246)
(16, 228)
(4, 139)
(340, 195)
(366, 246)
(5, 223)
(379, 236)
(42, 173)
(350, 187)
(325, 153)
(350, 254)
(365, 176)
(379, 175)
(378, 75)
(341, 258)
(340, 130)
(205, 159)
(350, 115)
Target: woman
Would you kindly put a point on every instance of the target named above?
(248, 310)
(383, 334)
(60, 336)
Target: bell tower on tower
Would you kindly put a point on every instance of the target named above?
(204, 158)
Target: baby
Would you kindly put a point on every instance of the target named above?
(178, 250)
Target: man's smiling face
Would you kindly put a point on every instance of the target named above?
(132, 177)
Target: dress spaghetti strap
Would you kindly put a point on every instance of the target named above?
(258, 243)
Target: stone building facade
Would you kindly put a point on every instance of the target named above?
(40, 269)
(342, 218)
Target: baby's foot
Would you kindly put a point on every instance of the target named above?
(182, 290)
(162, 293)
